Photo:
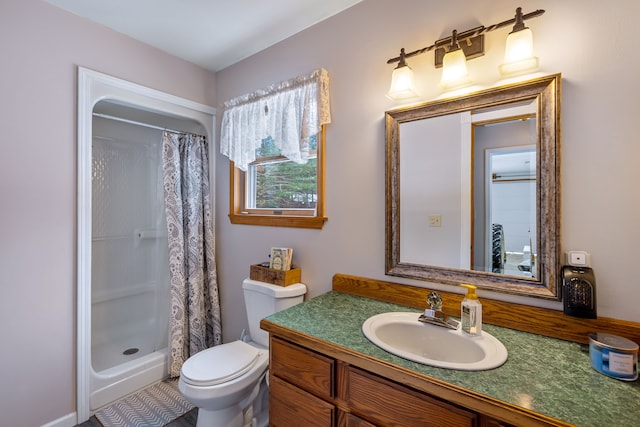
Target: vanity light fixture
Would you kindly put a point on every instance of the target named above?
(463, 46)
(454, 66)
(518, 54)
(402, 81)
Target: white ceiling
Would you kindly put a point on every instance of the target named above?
(211, 33)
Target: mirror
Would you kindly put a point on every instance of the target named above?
(472, 193)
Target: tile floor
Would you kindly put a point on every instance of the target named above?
(187, 420)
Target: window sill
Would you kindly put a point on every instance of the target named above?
(279, 221)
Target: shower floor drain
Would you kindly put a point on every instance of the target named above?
(130, 351)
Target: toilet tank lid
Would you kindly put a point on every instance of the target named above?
(276, 291)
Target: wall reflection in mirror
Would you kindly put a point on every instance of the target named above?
(472, 194)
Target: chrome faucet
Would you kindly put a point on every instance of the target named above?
(434, 314)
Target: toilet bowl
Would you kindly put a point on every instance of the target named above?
(228, 382)
(221, 380)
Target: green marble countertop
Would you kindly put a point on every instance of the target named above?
(547, 375)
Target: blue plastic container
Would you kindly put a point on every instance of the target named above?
(614, 356)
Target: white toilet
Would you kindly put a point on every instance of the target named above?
(228, 383)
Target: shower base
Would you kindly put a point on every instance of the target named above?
(117, 352)
(136, 372)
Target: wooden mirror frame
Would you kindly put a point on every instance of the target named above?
(546, 92)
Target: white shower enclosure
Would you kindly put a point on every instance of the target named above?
(123, 276)
(129, 253)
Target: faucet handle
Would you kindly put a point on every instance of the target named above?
(435, 315)
(435, 301)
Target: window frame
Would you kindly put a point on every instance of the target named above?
(238, 214)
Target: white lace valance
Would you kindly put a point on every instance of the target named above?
(289, 112)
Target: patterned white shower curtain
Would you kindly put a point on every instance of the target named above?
(194, 324)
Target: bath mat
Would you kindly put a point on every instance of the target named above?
(154, 406)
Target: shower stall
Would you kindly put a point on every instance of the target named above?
(129, 258)
(123, 273)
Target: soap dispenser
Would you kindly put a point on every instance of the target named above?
(471, 312)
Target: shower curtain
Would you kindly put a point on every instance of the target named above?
(194, 324)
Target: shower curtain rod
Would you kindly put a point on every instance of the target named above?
(120, 119)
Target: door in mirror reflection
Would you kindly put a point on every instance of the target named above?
(504, 190)
(506, 243)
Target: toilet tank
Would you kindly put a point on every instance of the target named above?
(264, 299)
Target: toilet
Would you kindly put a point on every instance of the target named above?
(229, 382)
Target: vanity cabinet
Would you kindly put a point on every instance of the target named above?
(313, 389)
(301, 386)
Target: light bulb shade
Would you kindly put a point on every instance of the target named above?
(454, 70)
(518, 54)
(402, 84)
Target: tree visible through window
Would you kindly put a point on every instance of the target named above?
(275, 182)
(277, 191)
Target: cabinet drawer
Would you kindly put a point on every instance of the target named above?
(290, 406)
(304, 368)
(350, 420)
(390, 404)
(490, 422)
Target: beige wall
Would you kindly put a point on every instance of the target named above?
(583, 40)
(40, 47)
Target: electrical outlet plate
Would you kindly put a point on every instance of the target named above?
(435, 220)
(578, 258)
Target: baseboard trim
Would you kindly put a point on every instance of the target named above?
(69, 420)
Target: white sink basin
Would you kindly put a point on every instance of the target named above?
(402, 334)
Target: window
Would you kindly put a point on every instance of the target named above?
(276, 191)
(274, 139)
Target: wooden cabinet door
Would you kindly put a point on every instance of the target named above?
(304, 368)
(291, 406)
(387, 403)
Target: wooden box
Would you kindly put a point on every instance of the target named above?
(275, 277)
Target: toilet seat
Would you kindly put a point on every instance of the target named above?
(220, 364)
